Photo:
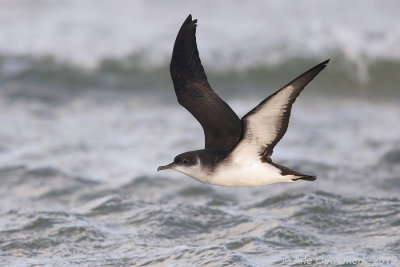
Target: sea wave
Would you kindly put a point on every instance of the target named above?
(46, 78)
(160, 232)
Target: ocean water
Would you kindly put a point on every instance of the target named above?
(88, 113)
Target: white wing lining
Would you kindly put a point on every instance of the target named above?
(265, 125)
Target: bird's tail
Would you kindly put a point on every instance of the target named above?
(298, 175)
(306, 178)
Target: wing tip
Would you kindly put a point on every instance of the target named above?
(323, 64)
(326, 61)
(190, 21)
(310, 74)
(186, 36)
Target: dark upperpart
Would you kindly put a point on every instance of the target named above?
(222, 127)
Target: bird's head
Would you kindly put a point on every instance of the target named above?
(186, 163)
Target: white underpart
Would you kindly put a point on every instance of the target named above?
(245, 170)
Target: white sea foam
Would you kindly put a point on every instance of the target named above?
(239, 33)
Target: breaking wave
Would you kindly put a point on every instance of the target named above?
(44, 78)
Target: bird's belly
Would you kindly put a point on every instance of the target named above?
(248, 173)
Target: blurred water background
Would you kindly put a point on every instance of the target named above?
(88, 112)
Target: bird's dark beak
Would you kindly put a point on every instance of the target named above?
(166, 167)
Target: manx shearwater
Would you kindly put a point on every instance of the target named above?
(237, 152)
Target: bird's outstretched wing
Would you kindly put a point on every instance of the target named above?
(266, 124)
(221, 125)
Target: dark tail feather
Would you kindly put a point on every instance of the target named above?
(306, 178)
(287, 171)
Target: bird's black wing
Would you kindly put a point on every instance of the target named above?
(222, 127)
(266, 124)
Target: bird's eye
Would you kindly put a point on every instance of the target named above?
(185, 161)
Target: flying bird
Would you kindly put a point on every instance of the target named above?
(237, 152)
